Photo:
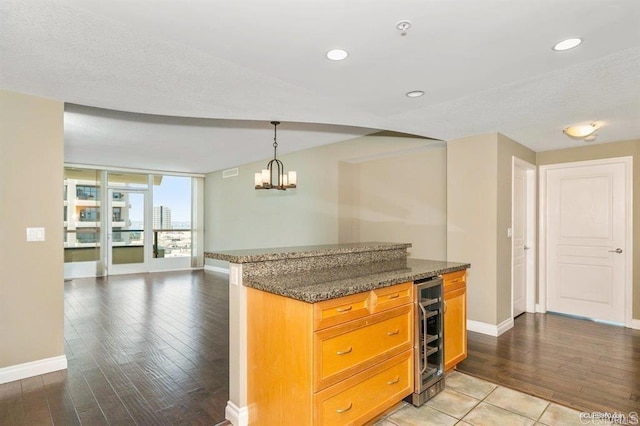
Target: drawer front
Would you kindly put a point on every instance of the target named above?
(347, 349)
(391, 297)
(454, 280)
(365, 395)
(338, 311)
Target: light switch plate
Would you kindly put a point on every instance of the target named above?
(509, 232)
(35, 234)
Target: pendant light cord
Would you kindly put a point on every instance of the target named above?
(275, 138)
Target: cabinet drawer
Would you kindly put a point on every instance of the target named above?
(346, 349)
(454, 280)
(365, 395)
(337, 311)
(390, 297)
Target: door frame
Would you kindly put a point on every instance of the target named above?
(531, 201)
(628, 243)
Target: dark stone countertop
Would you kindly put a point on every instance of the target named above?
(325, 284)
(279, 253)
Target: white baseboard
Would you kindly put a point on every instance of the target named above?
(490, 329)
(216, 269)
(238, 416)
(540, 309)
(635, 324)
(505, 325)
(34, 368)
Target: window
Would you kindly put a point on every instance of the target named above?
(81, 214)
(172, 241)
(85, 192)
(117, 213)
(171, 216)
(89, 214)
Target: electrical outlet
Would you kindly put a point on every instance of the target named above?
(509, 232)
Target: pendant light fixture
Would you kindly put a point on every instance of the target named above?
(284, 181)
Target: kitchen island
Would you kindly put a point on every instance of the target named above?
(289, 306)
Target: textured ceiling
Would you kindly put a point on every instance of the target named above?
(485, 65)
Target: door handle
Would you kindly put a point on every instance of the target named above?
(527, 247)
(618, 250)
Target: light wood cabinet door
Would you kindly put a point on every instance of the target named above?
(340, 361)
(391, 297)
(455, 321)
(363, 396)
(347, 349)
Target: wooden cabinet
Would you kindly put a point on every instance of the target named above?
(455, 318)
(340, 361)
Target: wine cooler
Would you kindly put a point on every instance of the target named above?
(429, 341)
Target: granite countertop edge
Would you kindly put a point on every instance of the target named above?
(320, 291)
(262, 255)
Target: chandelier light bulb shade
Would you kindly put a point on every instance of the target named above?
(582, 131)
(275, 169)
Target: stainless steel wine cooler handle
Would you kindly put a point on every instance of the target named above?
(424, 339)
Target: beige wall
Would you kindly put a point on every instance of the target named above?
(404, 199)
(472, 200)
(478, 215)
(324, 209)
(507, 149)
(610, 150)
(31, 273)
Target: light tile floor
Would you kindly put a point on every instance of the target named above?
(467, 400)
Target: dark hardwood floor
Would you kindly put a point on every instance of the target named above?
(152, 349)
(582, 364)
(148, 349)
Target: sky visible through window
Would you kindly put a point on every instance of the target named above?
(174, 192)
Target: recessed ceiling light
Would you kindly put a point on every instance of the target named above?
(567, 44)
(415, 94)
(337, 54)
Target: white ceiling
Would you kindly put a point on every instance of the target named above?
(485, 65)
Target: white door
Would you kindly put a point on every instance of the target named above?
(587, 212)
(519, 239)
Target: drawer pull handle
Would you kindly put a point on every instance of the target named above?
(344, 309)
(345, 352)
(395, 296)
(393, 333)
(393, 382)
(343, 410)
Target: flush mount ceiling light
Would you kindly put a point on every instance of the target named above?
(337, 55)
(586, 132)
(414, 94)
(284, 181)
(567, 44)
